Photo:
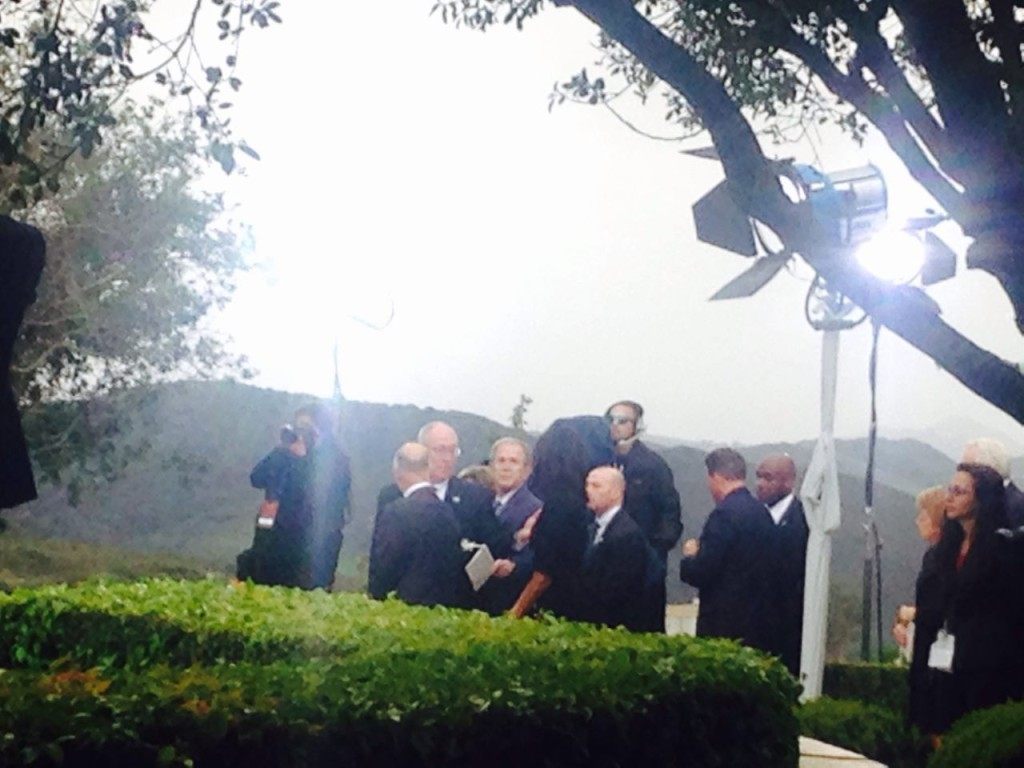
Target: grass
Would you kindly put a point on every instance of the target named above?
(26, 562)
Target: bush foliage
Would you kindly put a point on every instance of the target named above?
(871, 730)
(170, 672)
(989, 738)
(882, 685)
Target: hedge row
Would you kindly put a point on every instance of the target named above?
(874, 731)
(989, 738)
(215, 675)
(881, 685)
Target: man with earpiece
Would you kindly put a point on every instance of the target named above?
(651, 497)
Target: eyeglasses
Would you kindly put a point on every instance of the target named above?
(620, 419)
(446, 450)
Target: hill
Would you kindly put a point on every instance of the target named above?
(190, 494)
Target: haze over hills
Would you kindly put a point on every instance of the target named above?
(190, 493)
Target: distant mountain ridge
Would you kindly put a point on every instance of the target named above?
(190, 493)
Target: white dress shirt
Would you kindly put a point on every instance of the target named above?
(602, 522)
(413, 488)
(778, 509)
(441, 489)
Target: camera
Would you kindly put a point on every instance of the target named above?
(289, 435)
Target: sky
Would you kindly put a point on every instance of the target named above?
(412, 166)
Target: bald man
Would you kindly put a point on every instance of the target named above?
(611, 587)
(415, 551)
(472, 503)
(776, 481)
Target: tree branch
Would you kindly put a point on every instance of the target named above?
(756, 189)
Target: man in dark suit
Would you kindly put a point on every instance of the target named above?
(514, 504)
(991, 453)
(651, 497)
(776, 479)
(472, 504)
(611, 583)
(22, 253)
(731, 564)
(415, 550)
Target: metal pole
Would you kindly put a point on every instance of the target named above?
(872, 542)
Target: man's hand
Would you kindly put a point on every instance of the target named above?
(524, 534)
(691, 547)
(502, 568)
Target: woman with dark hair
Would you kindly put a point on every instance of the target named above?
(981, 595)
(559, 535)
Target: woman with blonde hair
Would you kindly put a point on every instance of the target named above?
(919, 624)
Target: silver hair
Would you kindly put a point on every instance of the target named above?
(527, 453)
(428, 427)
(989, 453)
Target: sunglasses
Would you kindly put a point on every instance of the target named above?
(620, 419)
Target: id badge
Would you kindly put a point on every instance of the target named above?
(940, 655)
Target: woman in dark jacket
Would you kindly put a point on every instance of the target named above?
(981, 596)
(926, 614)
(559, 537)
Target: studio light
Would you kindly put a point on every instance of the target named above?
(892, 255)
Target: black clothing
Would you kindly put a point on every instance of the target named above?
(22, 254)
(651, 496)
(982, 613)
(732, 570)
(653, 502)
(473, 506)
(280, 554)
(415, 552)
(559, 542)
(786, 629)
(1014, 505)
(329, 484)
(928, 687)
(611, 581)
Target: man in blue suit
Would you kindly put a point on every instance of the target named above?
(732, 562)
(514, 504)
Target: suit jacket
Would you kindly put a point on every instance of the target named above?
(1014, 505)
(733, 571)
(651, 496)
(786, 629)
(473, 506)
(611, 584)
(498, 595)
(22, 253)
(415, 552)
(512, 516)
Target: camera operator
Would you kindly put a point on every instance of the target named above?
(280, 552)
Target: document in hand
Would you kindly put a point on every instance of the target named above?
(480, 566)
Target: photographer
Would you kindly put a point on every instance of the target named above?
(280, 552)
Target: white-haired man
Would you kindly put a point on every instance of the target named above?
(992, 453)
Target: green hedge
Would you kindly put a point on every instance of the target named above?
(989, 738)
(874, 731)
(257, 676)
(883, 685)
